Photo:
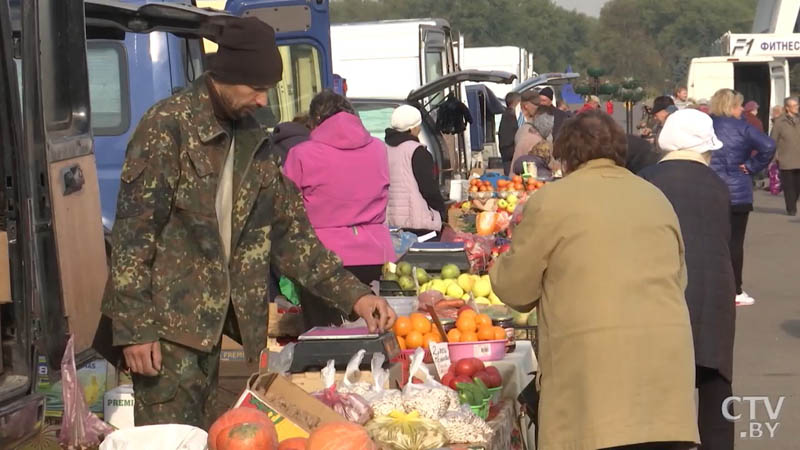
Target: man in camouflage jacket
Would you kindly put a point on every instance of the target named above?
(177, 283)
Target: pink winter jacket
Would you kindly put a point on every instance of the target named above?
(343, 174)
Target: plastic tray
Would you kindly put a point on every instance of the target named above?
(493, 350)
(481, 411)
(496, 392)
(403, 306)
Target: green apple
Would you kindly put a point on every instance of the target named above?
(422, 275)
(482, 288)
(406, 283)
(502, 204)
(404, 268)
(389, 267)
(466, 282)
(390, 277)
(450, 271)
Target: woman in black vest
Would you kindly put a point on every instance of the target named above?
(702, 202)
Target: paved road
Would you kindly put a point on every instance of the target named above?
(767, 351)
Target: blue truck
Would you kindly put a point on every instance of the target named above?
(68, 111)
(127, 77)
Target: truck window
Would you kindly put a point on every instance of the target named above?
(434, 67)
(302, 80)
(108, 87)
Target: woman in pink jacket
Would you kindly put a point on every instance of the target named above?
(343, 175)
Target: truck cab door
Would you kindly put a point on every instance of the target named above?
(60, 179)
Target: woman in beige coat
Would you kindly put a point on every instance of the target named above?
(601, 253)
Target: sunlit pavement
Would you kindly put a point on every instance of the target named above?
(767, 351)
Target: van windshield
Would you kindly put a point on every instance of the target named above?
(302, 80)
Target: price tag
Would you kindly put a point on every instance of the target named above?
(481, 350)
(441, 357)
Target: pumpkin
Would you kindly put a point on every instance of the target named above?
(247, 436)
(297, 443)
(340, 436)
(236, 416)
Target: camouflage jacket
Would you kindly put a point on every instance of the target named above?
(168, 274)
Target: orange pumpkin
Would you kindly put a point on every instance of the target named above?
(248, 436)
(236, 416)
(340, 436)
(297, 443)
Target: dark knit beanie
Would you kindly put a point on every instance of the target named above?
(547, 92)
(247, 54)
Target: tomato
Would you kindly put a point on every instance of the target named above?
(447, 379)
(464, 368)
(495, 378)
(483, 376)
(459, 379)
(477, 364)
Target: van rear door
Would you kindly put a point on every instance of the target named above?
(706, 76)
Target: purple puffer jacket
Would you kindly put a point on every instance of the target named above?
(740, 139)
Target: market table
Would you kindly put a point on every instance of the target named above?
(515, 368)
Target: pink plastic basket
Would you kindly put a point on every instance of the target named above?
(483, 350)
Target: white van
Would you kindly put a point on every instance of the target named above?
(390, 58)
(764, 79)
(516, 60)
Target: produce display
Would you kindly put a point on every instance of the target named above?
(415, 331)
(340, 436)
(401, 431)
(463, 427)
(240, 427)
(352, 407)
(474, 327)
(462, 286)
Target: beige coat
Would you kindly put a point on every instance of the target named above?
(525, 139)
(786, 132)
(601, 253)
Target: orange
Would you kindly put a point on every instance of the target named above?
(401, 342)
(468, 313)
(499, 333)
(482, 320)
(470, 336)
(454, 335)
(486, 333)
(402, 326)
(414, 339)
(431, 337)
(421, 324)
(466, 325)
(516, 179)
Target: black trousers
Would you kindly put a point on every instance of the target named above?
(738, 230)
(790, 183)
(716, 432)
(506, 167)
(318, 313)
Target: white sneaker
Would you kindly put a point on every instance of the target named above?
(744, 299)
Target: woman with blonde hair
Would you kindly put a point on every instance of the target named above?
(736, 164)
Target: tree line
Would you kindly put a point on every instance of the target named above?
(650, 40)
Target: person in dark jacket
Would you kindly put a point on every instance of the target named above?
(415, 201)
(288, 134)
(508, 129)
(751, 115)
(641, 154)
(701, 201)
(546, 96)
(735, 163)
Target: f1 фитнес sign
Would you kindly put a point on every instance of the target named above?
(756, 429)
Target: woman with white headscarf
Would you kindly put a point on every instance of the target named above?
(702, 202)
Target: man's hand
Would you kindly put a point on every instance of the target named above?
(144, 359)
(376, 311)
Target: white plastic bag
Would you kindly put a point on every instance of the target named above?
(351, 383)
(352, 406)
(382, 401)
(163, 437)
(430, 398)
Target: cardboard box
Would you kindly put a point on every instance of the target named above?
(294, 412)
(93, 377)
(5, 274)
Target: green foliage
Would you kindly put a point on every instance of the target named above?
(650, 40)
